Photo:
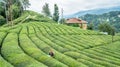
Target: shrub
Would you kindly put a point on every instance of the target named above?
(2, 20)
(15, 55)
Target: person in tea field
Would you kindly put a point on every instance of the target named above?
(51, 53)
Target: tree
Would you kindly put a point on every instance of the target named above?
(105, 27)
(90, 26)
(56, 13)
(62, 21)
(12, 9)
(15, 11)
(112, 32)
(25, 4)
(2, 9)
(46, 10)
(2, 20)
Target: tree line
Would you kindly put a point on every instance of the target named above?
(12, 9)
(46, 12)
(113, 18)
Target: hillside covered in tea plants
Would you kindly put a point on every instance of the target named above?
(28, 42)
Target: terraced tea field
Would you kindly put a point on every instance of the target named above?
(28, 45)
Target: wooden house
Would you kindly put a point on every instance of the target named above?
(82, 24)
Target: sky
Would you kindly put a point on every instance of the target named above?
(72, 6)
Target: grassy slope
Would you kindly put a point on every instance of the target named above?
(28, 44)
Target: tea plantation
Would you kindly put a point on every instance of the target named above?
(28, 45)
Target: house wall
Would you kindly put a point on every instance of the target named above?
(80, 25)
(83, 26)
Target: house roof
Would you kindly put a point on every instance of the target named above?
(75, 20)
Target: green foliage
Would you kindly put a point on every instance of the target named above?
(46, 10)
(15, 30)
(113, 47)
(90, 26)
(1, 37)
(36, 53)
(29, 16)
(74, 25)
(56, 13)
(112, 31)
(12, 9)
(25, 3)
(16, 11)
(111, 17)
(2, 10)
(2, 20)
(62, 21)
(4, 63)
(106, 27)
(12, 51)
(118, 34)
(28, 44)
